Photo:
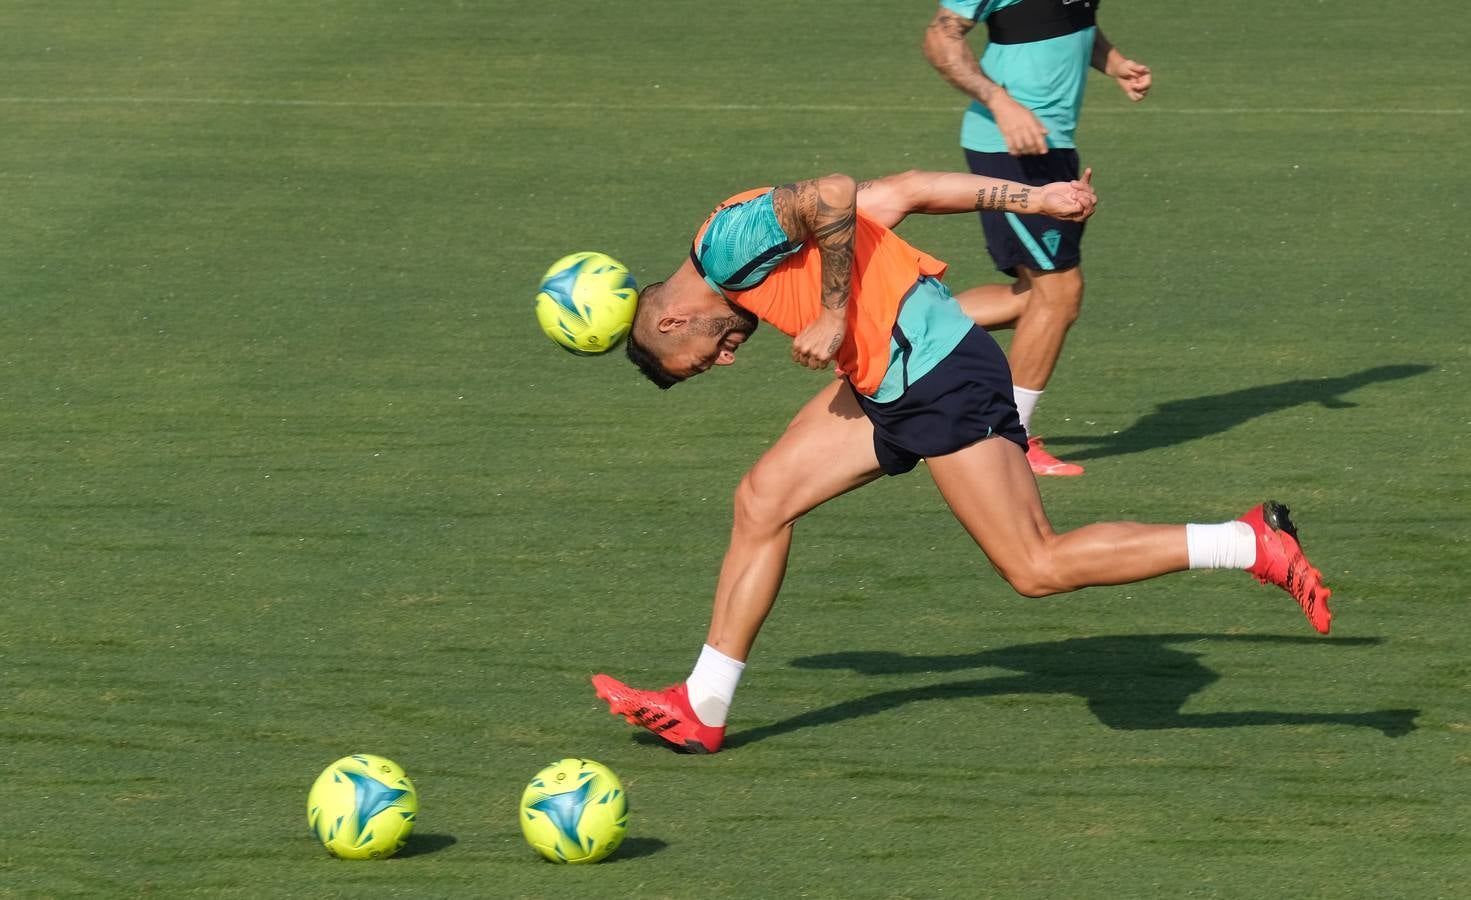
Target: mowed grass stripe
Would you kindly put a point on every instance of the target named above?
(621, 106)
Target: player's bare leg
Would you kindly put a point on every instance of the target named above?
(996, 307)
(990, 488)
(1041, 306)
(827, 450)
(1054, 300)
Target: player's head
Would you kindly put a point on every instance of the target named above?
(679, 334)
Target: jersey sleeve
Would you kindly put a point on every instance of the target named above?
(742, 244)
(975, 10)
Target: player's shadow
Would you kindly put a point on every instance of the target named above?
(1181, 421)
(424, 844)
(1130, 682)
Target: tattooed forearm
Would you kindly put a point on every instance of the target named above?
(839, 228)
(952, 57)
(1003, 197)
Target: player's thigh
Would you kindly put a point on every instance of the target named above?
(990, 488)
(826, 450)
(1063, 286)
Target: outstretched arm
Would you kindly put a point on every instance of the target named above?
(952, 57)
(823, 209)
(890, 199)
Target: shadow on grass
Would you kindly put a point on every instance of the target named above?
(1182, 421)
(636, 847)
(1130, 682)
(424, 844)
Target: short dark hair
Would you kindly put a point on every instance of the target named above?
(649, 364)
(643, 357)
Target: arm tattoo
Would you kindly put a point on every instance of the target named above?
(802, 213)
(949, 25)
(952, 57)
(997, 198)
(834, 230)
(784, 202)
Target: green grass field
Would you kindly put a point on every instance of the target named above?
(287, 470)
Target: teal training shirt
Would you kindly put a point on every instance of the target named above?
(742, 245)
(934, 324)
(1039, 51)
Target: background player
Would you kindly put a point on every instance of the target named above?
(1027, 91)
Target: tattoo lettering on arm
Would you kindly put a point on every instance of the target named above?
(999, 197)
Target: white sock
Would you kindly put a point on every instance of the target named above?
(712, 684)
(1229, 545)
(1026, 402)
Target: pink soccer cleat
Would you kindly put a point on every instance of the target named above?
(1044, 463)
(666, 713)
(1280, 561)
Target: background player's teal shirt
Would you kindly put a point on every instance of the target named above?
(1046, 77)
(745, 241)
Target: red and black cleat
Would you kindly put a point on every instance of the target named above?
(1280, 561)
(666, 713)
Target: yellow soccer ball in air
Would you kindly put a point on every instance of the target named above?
(586, 303)
(362, 807)
(574, 811)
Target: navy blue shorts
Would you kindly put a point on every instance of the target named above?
(1040, 243)
(965, 398)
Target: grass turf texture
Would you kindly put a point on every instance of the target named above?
(289, 471)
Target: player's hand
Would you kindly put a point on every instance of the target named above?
(1133, 77)
(1024, 133)
(817, 344)
(1072, 201)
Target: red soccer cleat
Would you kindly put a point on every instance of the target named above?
(1044, 463)
(1280, 561)
(666, 713)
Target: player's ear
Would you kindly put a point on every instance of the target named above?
(669, 323)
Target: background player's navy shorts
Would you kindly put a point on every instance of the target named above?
(965, 398)
(1040, 243)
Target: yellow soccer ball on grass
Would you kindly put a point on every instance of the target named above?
(574, 811)
(586, 303)
(362, 807)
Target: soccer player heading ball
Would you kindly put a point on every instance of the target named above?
(918, 380)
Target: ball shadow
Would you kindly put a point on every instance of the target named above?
(424, 844)
(635, 847)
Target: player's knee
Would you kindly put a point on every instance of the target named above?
(1032, 575)
(759, 504)
(1028, 585)
(1069, 304)
(1061, 293)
